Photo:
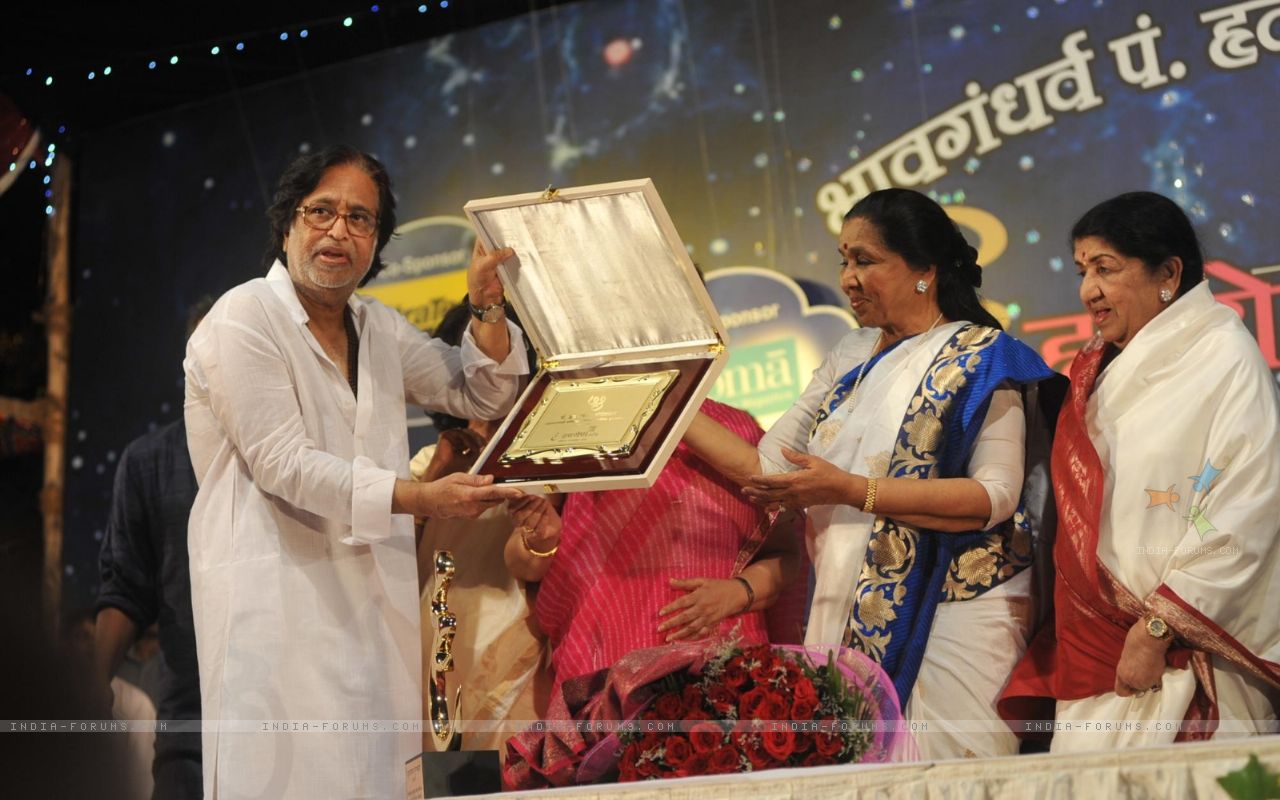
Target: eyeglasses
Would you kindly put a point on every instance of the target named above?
(322, 218)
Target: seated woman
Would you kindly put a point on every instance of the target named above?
(497, 652)
(1166, 468)
(907, 449)
(628, 569)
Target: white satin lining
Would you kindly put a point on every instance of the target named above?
(596, 274)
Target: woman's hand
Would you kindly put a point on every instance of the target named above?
(538, 521)
(1141, 667)
(697, 614)
(816, 483)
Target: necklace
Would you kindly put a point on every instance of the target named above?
(866, 367)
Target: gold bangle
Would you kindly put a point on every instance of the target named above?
(751, 593)
(525, 530)
(869, 502)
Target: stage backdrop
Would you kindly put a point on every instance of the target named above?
(760, 121)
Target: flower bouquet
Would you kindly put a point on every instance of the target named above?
(700, 709)
(756, 708)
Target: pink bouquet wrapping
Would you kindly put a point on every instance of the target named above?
(712, 708)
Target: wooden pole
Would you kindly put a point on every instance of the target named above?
(57, 319)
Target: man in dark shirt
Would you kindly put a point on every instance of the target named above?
(146, 579)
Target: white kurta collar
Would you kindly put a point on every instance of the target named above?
(281, 282)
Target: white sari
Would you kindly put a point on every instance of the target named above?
(1186, 423)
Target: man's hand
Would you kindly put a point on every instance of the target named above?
(816, 483)
(456, 495)
(484, 287)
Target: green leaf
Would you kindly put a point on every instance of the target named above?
(1251, 782)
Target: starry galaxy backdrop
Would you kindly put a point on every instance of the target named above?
(739, 110)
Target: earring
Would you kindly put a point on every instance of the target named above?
(1165, 295)
(922, 286)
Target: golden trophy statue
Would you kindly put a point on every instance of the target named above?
(442, 769)
(445, 627)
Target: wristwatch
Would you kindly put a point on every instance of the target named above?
(1158, 628)
(494, 312)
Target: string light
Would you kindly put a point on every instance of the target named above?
(346, 23)
(213, 51)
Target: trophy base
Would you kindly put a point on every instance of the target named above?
(452, 773)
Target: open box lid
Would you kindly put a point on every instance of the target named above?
(599, 272)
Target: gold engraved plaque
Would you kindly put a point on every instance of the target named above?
(600, 417)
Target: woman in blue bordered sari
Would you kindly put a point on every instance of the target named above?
(910, 450)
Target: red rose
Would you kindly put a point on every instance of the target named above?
(647, 768)
(696, 765)
(735, 674)
(749, 705)
(775, 706)
(670, 706)
(705, 737)
(759, 652)
(755, 753)
(725, 760)
(802, 709)
(627, 763)
(692, 697)
(816, 760)
(804, 742)
(779, 743)
(722, 699)
(803, 689)
(764, 674)
(678, 751)
(828, 744)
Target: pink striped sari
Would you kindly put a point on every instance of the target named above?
(619, 549)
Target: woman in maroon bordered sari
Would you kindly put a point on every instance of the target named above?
(1166, 469)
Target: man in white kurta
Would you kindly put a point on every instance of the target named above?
(304, 581)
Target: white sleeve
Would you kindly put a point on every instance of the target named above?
(792, 428)
(461, 381)
(250, 391)
(999, 453)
